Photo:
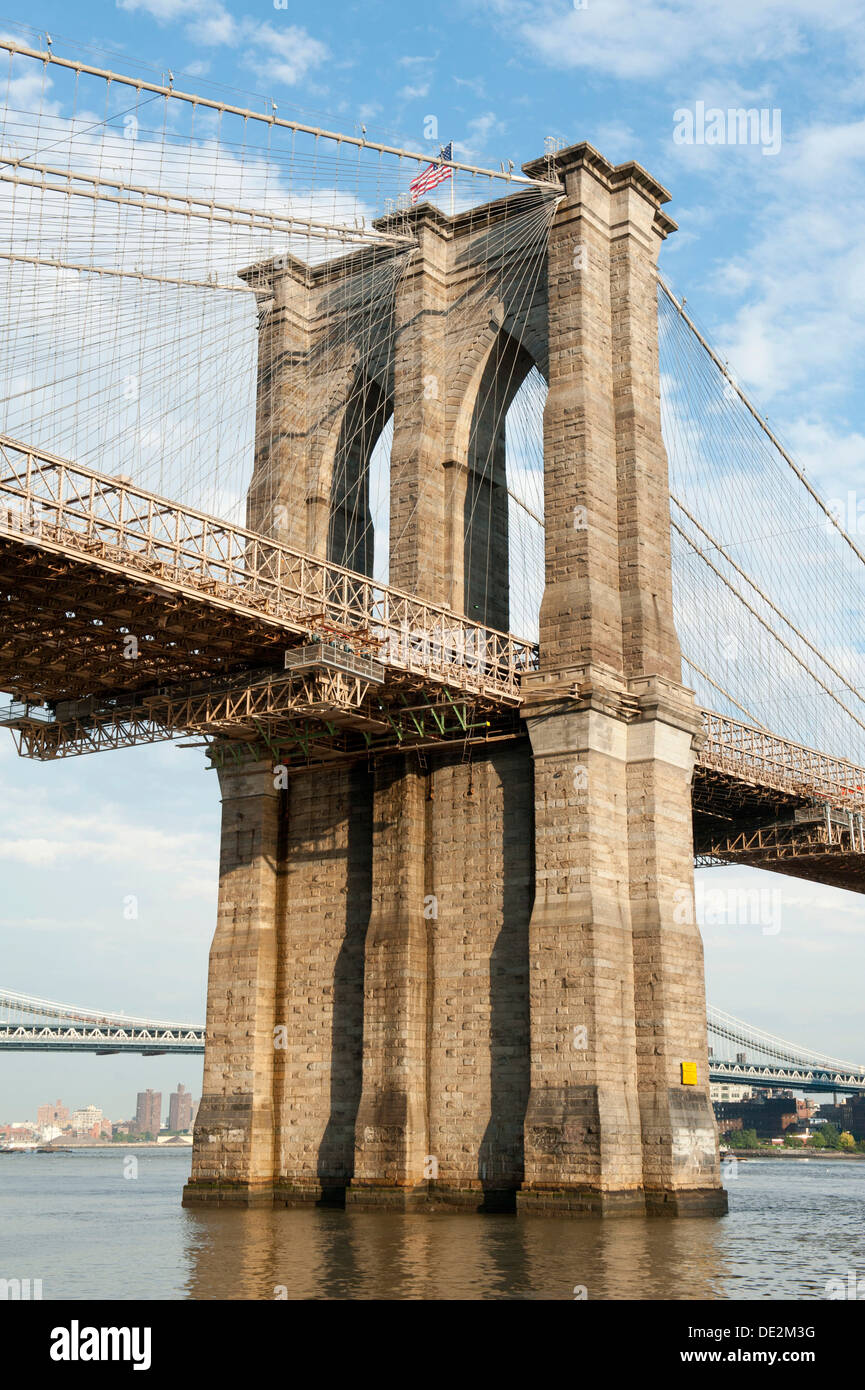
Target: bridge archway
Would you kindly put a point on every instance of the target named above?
(524, 460)
(498, 448)
(486, 569)
(351, 531)
(379, 501)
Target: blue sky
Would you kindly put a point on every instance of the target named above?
(770, 256)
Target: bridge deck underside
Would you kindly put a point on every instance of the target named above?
(738, 820)
(830, 864)
(65, 622)
(64, 639)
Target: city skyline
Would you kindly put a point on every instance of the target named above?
(65, 1111)
(107, 1080)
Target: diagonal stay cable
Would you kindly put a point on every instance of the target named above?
(765, 597)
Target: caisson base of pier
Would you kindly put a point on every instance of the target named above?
(227, 1194)
(573, 1201)
(699, 1201)
(586, 1202)
(430, 1199)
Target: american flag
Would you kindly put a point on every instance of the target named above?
(433, 174)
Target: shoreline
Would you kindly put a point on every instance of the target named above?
(742, 1154)
(89, 1148)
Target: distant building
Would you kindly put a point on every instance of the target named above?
(180, 1109)
(849, 1116)
(148, 1112)
(56, 1115)
(831, 1115)
(770, 1117)
(87, 1121)
(725, 1090)
(18, 1132)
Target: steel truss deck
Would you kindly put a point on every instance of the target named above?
(129, 618)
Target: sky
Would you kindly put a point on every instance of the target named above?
(770, 255)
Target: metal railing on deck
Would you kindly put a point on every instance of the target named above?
(18, 709)
(746, 752)
(65, 506)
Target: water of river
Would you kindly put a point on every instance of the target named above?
(91, 1226)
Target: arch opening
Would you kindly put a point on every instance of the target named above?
(503, 505)
(524, 455)
(360, 480)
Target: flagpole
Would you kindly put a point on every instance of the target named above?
(453, 181)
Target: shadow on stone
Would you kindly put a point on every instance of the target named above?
(500, 1157)
(336, 1152)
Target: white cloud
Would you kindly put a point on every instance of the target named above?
(472, 147)
(46, 924)
(26, 86)
(163, 11)
(410, 93)
(284, 53)
(616, 140)
(624, 40)
(36, 852)
(828, 453)
(213, 27)
(110, 839)
(802, 324)
(166, 11)
(474, 84)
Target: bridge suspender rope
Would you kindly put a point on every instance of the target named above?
(716, 544)
(764, 623)
(734, 386)
(729, 478)
(727, 696)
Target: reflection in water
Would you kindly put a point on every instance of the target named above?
(76, 1222)
(356, 1255)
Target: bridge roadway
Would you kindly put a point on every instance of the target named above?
(65, 1028)
(130, 618)
(765, 1077)
(85, 1037)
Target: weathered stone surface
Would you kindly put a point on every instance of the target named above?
(233, 1160)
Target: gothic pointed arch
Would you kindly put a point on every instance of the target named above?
(350, 536)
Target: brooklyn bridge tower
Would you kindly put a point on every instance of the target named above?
(467, 972)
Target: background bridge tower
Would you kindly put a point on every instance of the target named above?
(474, 982)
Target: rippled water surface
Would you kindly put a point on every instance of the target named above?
(88, 1232)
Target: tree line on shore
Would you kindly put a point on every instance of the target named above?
(828, 1136)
